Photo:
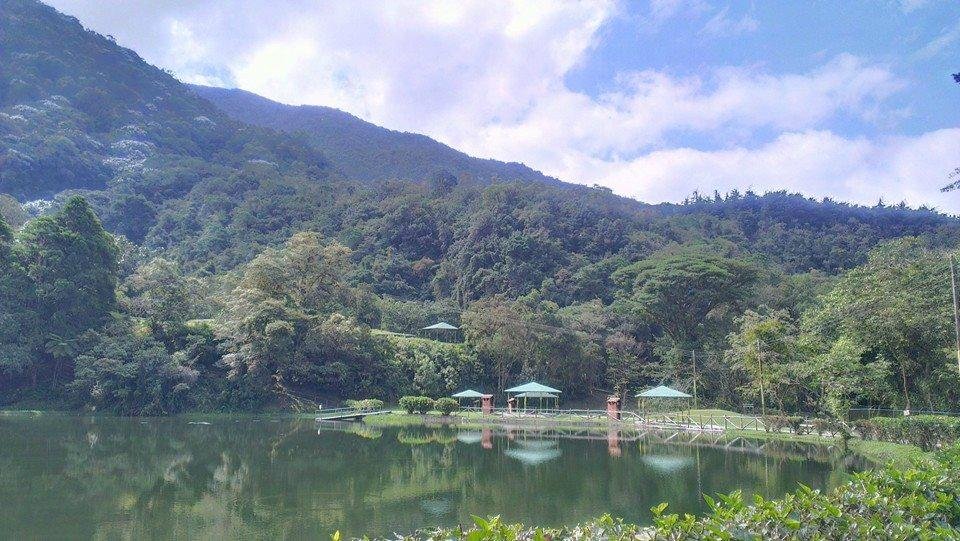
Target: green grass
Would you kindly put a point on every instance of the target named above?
(893, 454)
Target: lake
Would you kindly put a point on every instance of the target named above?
(257, 477)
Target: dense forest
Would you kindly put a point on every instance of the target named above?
(159, 255)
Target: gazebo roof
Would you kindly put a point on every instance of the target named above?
(533, 387)
(469, 393)
(535, 394)
(442, 326)
(662, 391)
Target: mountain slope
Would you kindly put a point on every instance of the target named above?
(163, 166)
(361, 150)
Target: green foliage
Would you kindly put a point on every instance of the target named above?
(11, 212)
(927, 432)
(367, 404)
(446, 405)
(678, 291)
(417, 404)
(765, 349)
(886, 326)
(433, 368)
(123, 371)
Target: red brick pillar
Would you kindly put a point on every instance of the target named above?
(486, 404)
(613, 408)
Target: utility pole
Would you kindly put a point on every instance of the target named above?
(763, 401)
(956, 312)
(695, 403)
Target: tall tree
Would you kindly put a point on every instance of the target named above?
(678, 292)
(765, 349)
(71, 264)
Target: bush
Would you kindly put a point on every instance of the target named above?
(927, 432)
(447, 405)
(367, 404)
(417, 404)
(775, 423)
(824, 426)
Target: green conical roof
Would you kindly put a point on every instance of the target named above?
(532, 387)
(662, 391)
(442, 326)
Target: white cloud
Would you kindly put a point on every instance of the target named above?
(816, 163)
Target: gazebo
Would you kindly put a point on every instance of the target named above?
(660, 392)
(535, 390)
(469, 393)
(440, 329)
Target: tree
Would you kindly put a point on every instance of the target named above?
(160, 293)
(70, 262)
(678, 292)
(286, 324)
(765, 349)
(625, 362)
(843, 378)
(897, 307)
(124, 372)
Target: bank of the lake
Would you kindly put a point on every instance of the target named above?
(877, 452)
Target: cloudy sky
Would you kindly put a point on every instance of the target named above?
(850, 99)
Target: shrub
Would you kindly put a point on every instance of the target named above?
(367, 404)
(775, 423)
(824, 426)
(447, 405)
(927, 432)
(795, 424)
(417, 404)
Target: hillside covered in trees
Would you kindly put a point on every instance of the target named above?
(159, 254)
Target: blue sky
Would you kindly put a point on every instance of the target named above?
(652, 98)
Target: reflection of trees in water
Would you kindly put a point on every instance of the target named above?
(240, 478)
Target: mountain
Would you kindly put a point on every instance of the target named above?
(361, 150)
(184, 172)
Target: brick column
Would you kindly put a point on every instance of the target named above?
(487, 404)
(613, 408)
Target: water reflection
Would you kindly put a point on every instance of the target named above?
(278, 478)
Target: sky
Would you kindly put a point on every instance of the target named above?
(655, 99)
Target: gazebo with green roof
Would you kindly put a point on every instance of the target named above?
(661, 392)
(469, 393)
(440, 330)
(535, 390)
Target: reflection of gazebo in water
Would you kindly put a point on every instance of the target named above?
(469, 436)
(441, 330)
(537, 391)
(662, 395)
(534, 452)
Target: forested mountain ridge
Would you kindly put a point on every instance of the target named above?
(361, 150)
(211, 264)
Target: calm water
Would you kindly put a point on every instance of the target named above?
(111, 478)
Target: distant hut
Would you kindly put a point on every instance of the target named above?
(442, 331)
